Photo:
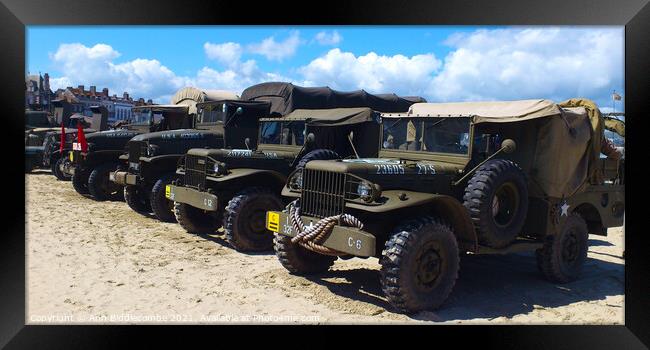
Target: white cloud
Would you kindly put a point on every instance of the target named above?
(374, 73)
(555, 63)
(276, 50)
(325, 38)
(226, 53)
(82, 65)
(147, 78)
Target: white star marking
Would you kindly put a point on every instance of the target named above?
(565, 208)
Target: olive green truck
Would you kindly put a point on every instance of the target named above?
(453, 179)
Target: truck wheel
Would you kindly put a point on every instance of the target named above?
(299, 260)
(497, 200)
(57, 169)
(137, 199)
(419, 265)
(317, 154)
(162, 207)
(80, 181)
(195, 220)
(245, 219)
(99, 185)
(563, 255)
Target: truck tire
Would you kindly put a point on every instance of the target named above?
(136, 198)
(563, 255)
(317, 154)
(298, 260)
(80, 181)
(245, 219)
(194, 220)
(99, 185)
(419, 265)
(162, 207)
(57, 169)
(497, 200)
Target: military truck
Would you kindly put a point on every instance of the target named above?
(455, 179)
(56, 157)
(236, 186)
(222, 121)
(42, 144)
(92, 166)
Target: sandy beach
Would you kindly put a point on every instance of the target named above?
(100, 262)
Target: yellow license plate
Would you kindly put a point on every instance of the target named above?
(273, 221)
(168, 191)
(72, 156)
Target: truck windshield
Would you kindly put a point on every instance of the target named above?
(439, 135)
(143, 118)
(212, 113)
(283, 133)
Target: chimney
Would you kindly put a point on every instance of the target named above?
(105, 92)
(81, 88)
(125, 95)
(93, 90)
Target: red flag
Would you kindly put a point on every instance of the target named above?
(62, 138)
(81, 138)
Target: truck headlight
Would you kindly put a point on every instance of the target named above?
(368, 192)
(219, 168)
(151, 151)
(364, 190)
(295, 182)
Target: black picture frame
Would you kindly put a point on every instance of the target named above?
(633, 14)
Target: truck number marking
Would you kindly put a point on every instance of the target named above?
(389, 169)
(425, 169)
(354, 244)
(207, 202)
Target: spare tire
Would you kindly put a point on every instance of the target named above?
(317, 154)
(497, 200)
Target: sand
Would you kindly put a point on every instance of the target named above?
(101, 263)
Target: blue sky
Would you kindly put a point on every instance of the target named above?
(440, 63)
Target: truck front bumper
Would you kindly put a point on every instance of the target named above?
(345, 239)
(123, 178)
(193, 197)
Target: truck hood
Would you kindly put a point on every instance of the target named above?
(110, 139)
(422, 176)
(181, 140)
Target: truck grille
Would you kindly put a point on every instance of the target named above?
(136, 150)
(195, 171)
(323, 193)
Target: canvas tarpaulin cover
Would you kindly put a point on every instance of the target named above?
(286, 97)
(190, 96)
(563, 157)
(332, 117)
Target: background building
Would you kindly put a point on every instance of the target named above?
(119, 108)
(38, 95)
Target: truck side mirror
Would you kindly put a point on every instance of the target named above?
(310, 139)
(239, 111)
(508, 145)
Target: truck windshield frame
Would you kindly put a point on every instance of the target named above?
(212, 114)
(282, 132)
(435, 135)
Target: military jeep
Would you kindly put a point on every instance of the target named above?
(153, 157)
(455, 179)
(91, 167)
